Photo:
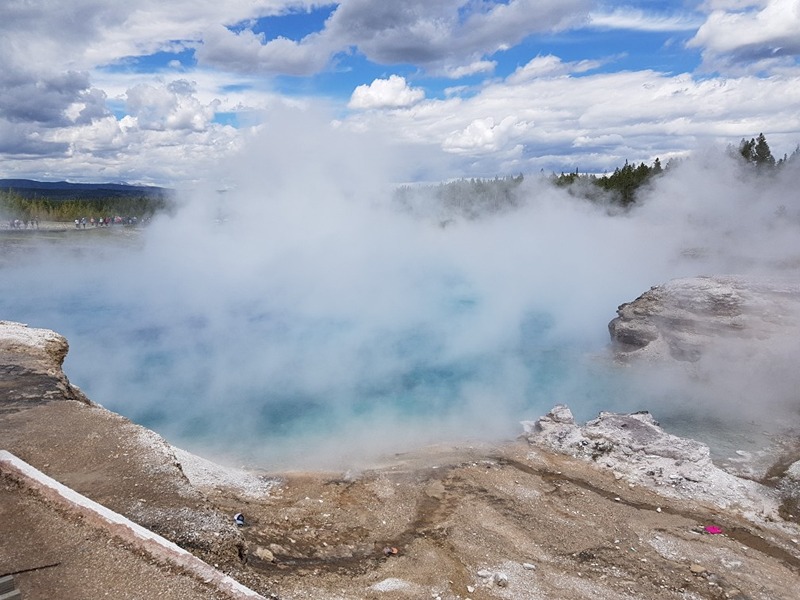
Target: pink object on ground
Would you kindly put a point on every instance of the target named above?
(713, 529)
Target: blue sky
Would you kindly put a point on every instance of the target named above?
(154, 92)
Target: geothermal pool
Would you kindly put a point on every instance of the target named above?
(308, 330)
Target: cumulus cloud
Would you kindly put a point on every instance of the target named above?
(449, 37)
(574, 118)
(248, 52)
(51, 105)
(35, 104)
(385, 93)
(445, 35)
(43, 99)
(484, 135)
(169, 107)
(69, 71)
(19, 140)
(765, 33)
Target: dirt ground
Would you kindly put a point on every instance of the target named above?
(480, 522)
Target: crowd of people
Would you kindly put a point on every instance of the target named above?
(105, 221)
(32, 223)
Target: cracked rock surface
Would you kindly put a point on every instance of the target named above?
(684, 318)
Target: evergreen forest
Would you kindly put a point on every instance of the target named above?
(471, 198)
(26, 200)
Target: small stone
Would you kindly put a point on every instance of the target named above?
(697, 569)
(264, 554)
(529, 566)
(470, 588)
(484, 574)
(501, 579)
(560, 413)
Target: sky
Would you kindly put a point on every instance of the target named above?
(154, 92)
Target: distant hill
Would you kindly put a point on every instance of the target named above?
(63, 190)
(24, 199)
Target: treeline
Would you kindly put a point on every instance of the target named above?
(473, 198)
(66, 207)
(621, 186)
(618, 188)
(468, 198)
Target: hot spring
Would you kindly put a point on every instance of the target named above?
(291, 321)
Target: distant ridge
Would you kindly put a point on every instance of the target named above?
(20, 184)
(64, 189)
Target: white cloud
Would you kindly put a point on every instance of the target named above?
(173, 106)
(385, 93)
(484, 135)
(112, 149)
(81, 34)
(639, 20)
(248, 52)
(50, 83)
(759, 33)
(57, 103)
(479, 66)
(549, 66)
(558, 121)
(446, 35)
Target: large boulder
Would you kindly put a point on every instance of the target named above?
(30, 364)
(637, 450)
(684, 318)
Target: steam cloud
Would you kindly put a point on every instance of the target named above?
(300, 318)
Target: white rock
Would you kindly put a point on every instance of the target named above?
(264, 554)
(793, 472)
(501, 579)
(392, 584)
(637, 448)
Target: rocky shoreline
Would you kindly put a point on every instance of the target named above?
(615, 508)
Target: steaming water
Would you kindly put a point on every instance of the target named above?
(251, 374)
(315, 324)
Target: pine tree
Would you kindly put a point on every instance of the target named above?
(757, 152)
(747, 149)
(762, 155)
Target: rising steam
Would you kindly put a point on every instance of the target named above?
(290, 313)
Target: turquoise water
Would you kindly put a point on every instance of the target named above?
(244, 373)
(301, 318)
